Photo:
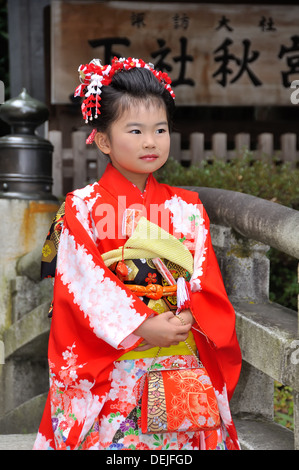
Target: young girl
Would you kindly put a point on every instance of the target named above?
(124, 241)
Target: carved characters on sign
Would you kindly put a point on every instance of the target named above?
(222, 54)
(214, 54)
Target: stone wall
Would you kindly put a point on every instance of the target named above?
(24, 226)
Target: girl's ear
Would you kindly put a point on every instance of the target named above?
(102, 141)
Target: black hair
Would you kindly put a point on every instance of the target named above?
(131, 86)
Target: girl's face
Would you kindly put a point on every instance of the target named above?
(138, 141)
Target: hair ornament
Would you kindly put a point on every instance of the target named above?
(94, 76)
(91, 136)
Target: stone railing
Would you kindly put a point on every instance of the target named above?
(243, 227)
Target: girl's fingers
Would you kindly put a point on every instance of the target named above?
(144, 346)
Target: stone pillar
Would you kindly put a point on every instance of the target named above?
(27, 208)
(244, 265)
(245, 269)
(24, 226)
(26, 203)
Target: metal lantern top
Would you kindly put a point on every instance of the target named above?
(25, 157)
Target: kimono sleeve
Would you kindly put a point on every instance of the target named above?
(112, 311)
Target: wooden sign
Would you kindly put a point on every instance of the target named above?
(215, 54)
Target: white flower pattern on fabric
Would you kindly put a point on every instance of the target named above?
(72, 398)
(187, 219)
(83, 203)
(183, 215)
(41, 442)
(100, 299)
(199, 257)
(223, 405)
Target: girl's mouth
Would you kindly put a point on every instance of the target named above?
(149, 158)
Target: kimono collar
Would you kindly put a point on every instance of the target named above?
(118, 185)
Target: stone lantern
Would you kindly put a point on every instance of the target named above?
(25, 157)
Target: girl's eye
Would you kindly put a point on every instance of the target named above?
(135, 131)
(161, 131)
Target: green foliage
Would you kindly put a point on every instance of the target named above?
(268, 180)
(283, 405)
(284, 287)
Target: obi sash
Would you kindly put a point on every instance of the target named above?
(149, 241)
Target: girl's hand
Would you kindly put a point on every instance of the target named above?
(144, 346)
(187, 316)
(162, 330)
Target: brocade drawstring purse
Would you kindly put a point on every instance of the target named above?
(178, 399)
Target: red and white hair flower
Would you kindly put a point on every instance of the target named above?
(94, 76)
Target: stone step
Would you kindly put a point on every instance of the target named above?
(17, 441)
(253, 435)
(25, 418)
(263, 435)
(28, 337)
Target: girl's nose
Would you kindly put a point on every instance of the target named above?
(149, 142)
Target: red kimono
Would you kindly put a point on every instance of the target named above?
(93, 371)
